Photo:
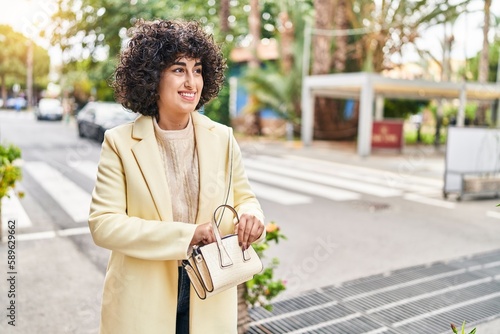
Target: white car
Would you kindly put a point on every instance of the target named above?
(50, 109)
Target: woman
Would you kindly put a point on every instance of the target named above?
(159, 180)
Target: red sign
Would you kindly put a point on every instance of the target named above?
(387, 134)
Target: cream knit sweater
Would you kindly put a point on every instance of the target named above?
(178, 152)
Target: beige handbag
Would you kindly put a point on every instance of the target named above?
(221, 265)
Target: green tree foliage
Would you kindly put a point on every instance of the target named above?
(402, 108)
(274, 86)
(13, 57)
(12, 52)
(387, 26)
(273, 89)
(86, 28)
(92, 32)
(10, 172)
(41, 66)
(473, 64)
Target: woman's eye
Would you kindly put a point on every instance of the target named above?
(198, 71)
(178, 70)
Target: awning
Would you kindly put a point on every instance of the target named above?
(366, 87)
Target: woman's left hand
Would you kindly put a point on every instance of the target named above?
(249, 229)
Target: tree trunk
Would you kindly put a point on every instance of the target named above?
(341, 22)
(328, 121)
(243, 316)
(224, 15)
(322, 43)
(254, 27)
(287, 37)
(4, 90)
(321, 65)
(484, 62)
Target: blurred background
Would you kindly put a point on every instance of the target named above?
(369, 132)
(68, 49)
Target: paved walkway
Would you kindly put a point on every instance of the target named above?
(58, 288)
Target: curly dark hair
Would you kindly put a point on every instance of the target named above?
(155, 46)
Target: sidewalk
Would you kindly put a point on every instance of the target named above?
(415, 160)
(58, 288)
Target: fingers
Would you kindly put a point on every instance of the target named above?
(203, 235)
(249, 229)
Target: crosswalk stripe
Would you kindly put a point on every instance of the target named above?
(12, 114)
(12, 209)
(277, 195)
(430, 201)
(403, 180)
(302, 186)
(51, 234)
(493, 214)
(325, 179)
(72, 199)
(87, 168)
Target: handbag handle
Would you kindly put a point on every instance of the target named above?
(225, 260)
(230, 167)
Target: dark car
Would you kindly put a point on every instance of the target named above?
(97, 117)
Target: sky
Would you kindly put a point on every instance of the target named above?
(31, 16)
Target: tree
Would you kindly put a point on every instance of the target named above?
(93, 31)
(277, 84)
(341, 41)
(391, 25)
(224, 17)
(484, 61)
(380, 32)
(13, 58)
(12, 50)
(322, 42)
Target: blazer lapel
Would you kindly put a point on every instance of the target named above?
(149, 160)
(212, 179)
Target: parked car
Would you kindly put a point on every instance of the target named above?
(50, 109)
(97, 117)
(17, 103)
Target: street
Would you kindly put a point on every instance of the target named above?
(348, 220)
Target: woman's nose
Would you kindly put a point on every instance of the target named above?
(189, 80)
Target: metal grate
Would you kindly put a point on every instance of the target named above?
(353, 288)
(421, 299)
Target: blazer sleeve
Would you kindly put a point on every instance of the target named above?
(245, 200)
(112, 228)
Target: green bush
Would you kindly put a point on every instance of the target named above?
(10, 172)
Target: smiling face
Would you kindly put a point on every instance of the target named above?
(179, 92)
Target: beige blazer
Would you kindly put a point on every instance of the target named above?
(131, 214)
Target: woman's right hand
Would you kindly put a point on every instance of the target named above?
(203, 235)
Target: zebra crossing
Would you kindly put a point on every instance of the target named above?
(289, 180)
(20, 115)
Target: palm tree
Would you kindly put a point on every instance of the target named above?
(277, 86)
(341, 40)
(322, 43)
(254, 25)
(325, 112)
(275, 89)
(484, 62)
(386, 25)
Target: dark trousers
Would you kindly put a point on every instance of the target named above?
(182, 324)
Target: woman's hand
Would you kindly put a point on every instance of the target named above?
(203, 235)
(249, 229)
